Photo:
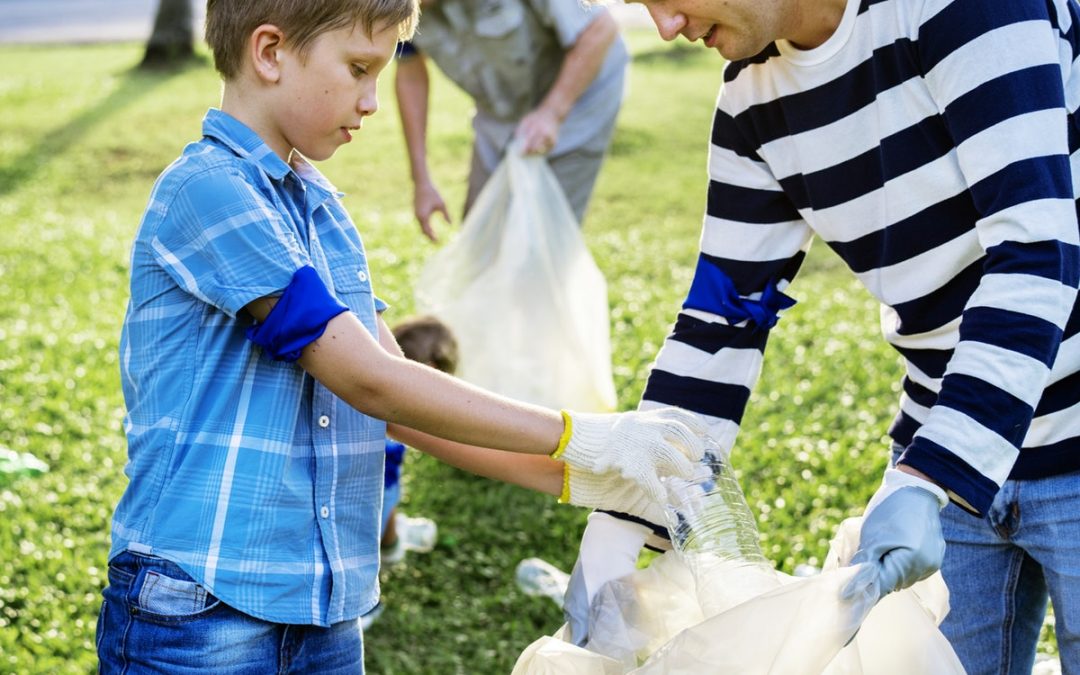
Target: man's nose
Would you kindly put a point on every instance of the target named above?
(668, 24)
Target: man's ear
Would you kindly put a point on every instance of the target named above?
(266, 42)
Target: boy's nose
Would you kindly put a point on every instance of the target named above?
(368, 104)
(668, 24)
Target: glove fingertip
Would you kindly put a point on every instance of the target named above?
(678, 465)
(655, 489)
(696, 451)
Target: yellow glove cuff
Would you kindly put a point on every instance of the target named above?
(564, 498)
(568, 430)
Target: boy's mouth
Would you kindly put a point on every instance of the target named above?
(346, 132)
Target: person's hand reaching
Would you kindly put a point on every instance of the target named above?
(601, 451)
(426, 203)
(901, 531)
(538, 132)
(609, 550)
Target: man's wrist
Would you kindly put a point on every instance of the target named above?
(915, 472)
(905, 476)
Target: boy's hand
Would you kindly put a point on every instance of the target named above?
(639, 446)
(426, 203)
(610, 491)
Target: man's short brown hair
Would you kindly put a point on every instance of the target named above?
(427, 340)
(229, 23)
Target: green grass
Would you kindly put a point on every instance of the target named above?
(84, 137)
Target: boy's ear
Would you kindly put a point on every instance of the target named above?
(266, 43)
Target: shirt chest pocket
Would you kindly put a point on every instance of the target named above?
(504, 42)
(497, 21)
(353, 287)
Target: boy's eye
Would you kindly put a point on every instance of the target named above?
(358, 70)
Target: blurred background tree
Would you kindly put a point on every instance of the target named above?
(172, 41)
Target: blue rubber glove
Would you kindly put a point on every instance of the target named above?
(609, 550)
(901, 531)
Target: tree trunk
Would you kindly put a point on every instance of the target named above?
(172, 41)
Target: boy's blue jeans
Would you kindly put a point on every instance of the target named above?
(1001, 568)
(154, 618)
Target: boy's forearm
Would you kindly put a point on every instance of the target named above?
(535, 472)
(353, 365)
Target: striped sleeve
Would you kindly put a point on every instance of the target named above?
(992, 67)
(752, 245)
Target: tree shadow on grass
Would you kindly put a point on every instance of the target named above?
(52, 143)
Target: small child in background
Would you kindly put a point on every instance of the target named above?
(426, 340)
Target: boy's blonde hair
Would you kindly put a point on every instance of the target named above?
(229, 23)
(427, 340)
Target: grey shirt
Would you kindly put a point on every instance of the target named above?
(506, 55)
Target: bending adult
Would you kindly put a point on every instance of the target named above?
(934, 146)
(548, 72)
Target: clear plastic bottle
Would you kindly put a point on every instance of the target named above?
(712, 527)
(536, 576)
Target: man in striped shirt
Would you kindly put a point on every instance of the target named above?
(933, 145)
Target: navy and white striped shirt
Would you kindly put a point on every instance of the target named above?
(933, 144)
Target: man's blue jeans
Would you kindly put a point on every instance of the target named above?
(1001, 568)
(154, 618)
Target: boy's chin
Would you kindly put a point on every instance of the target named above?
(317, 154)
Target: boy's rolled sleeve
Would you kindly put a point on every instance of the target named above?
(226, 243)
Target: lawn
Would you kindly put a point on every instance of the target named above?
(84, 136)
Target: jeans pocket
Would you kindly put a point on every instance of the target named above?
(170, 596)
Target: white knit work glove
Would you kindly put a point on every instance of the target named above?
(611, 492)
(615, 461)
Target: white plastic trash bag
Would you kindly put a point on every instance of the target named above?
(658, 621)
(526, 301)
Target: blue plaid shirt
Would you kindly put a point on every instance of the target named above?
(253, 477)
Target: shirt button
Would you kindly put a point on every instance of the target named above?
(361, 275)
(324, 421)
(324, 512)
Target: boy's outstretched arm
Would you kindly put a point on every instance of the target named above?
(535, 472)
(348, 361)
(605, 457)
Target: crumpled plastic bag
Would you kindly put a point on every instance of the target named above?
(754, 620)
(522, 294)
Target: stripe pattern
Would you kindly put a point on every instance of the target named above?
(934, 145)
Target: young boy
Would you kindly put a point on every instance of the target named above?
(257, 375)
